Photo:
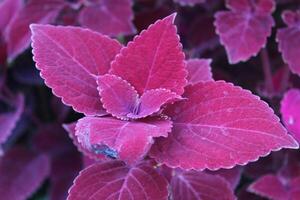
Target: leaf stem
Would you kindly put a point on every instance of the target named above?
(267, 70)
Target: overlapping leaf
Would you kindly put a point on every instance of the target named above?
(115, 180)
(288, 40)
(153, 60)
(244, 29)
(69, 59)
(126, 140)
(198, 70)
(22, 173)
(8, 121)
(220, 126)
(17, 33)
(108, 17)
(8, 9)
(272, 187)
(121, 100)
(195, 185)
(290, 106)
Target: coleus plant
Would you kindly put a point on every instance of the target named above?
(148, 108)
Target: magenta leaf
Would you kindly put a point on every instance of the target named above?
(220, 126)
(8, 9)
(290, 106)
(198, 70)
(108, 17)
(70, 59)
(17, 33)
(153, 60)
(8, 121)
(115, 180)
(269, 186)
(288, 40)
(118, 97)
(151, 102)
(195, 185)
(126, 140)
(244, 29)
(121, 100)
(189, 2)
(22, 173)
(70, 128)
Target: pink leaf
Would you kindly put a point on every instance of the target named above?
(153, 60)
(70, 59)
(220, 126)
(244, 29)
(198, 70)
(290, 106)
(70, 128)
(189, 2)
(108, 17)
(8, 121)
(127, 140)
(269, 186)
(8, 9)
(288, 40)
(152, 100)
(115, 180)
(193, 185)
(121, 100)
(17, 33)
(22, 173)
(118, 97)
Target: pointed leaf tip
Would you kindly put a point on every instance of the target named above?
(154, 59)
(224, 127)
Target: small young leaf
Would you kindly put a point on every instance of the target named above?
(154, 59)
(195, 185)
(220, 126)
(126, 140)
(17, 34)
(118, 97)
(8, 121)
(108, 17)
(244, 29)
(121, 100)
(70, 58)
(115, 180)
(22, 173)
(290, 107)
(151, 102)
(198, 70)
(288, 40)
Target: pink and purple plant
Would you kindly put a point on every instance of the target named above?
(91, 111)
(142, 111)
